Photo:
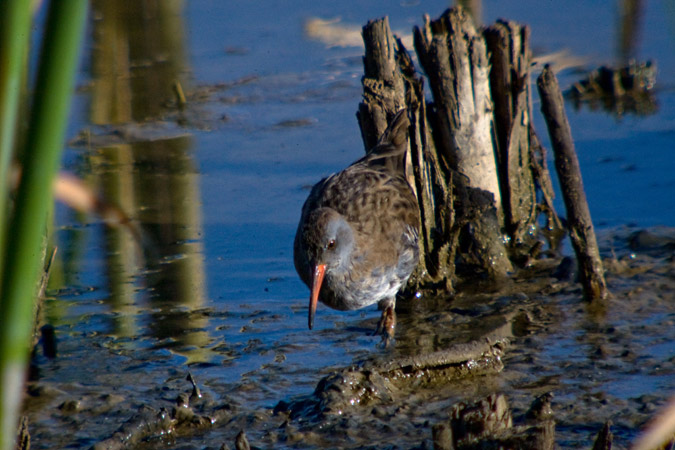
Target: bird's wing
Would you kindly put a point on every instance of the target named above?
(389, 152)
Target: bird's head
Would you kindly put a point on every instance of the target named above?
(329, 245)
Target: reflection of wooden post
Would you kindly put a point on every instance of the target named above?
(630, 15)
(567, 165)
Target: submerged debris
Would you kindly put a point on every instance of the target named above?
(241, 442)
(382, 380)
(150, 423)
(619, 90)
(605, 438)
(488, 423)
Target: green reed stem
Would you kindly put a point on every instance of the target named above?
(41, 156)
(14, 40)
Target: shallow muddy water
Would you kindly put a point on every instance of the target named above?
(217, 185)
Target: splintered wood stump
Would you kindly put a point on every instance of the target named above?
(474, 160)
(580, 226)
(454, 57)
(508, 45)
(521, 160)
(384, 86)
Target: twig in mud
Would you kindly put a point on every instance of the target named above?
(180, 95)
(605, 438)
(196, 393)
(579, 221)
(75, 193)
(46, 272)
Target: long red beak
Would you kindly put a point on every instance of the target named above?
(319, 272)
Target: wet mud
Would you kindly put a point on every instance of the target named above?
(535, 339)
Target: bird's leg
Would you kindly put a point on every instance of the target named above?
(387, 325)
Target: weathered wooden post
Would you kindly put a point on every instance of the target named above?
(579, 222)
(454, 57)
(508, 45)
(475, 162)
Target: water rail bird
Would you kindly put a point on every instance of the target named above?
(357, 240)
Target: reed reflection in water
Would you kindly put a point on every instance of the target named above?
(137, 58)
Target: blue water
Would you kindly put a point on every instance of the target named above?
(243, 320)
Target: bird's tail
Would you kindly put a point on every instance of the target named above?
(392, 145)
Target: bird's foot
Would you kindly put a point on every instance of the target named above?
(386, 326)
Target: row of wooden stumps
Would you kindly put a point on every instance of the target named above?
(475, 162)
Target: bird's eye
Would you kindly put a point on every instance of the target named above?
(331, 244)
